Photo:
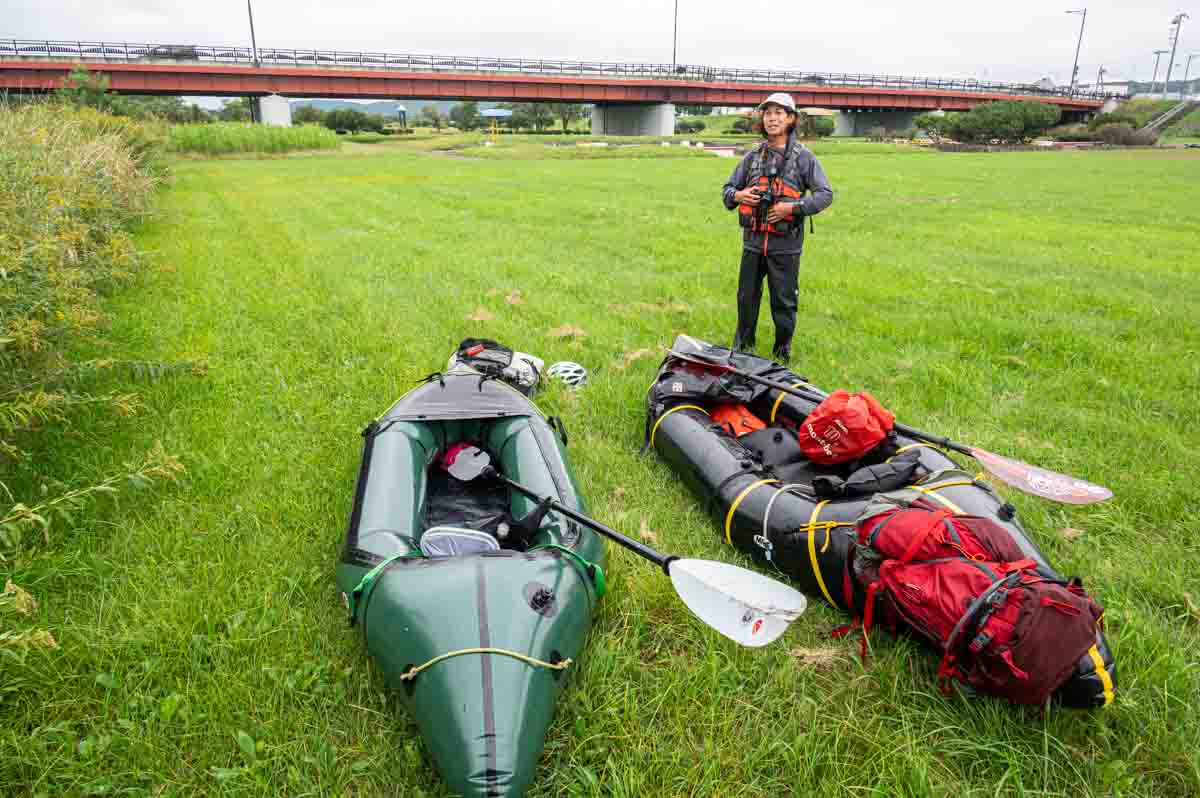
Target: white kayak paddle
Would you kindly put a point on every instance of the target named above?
(745, 606)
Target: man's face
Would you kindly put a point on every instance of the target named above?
(775, 119)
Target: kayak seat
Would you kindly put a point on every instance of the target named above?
(449, 541)
(480, 506)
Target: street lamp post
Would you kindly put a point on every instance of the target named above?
(253, 43)
(1158, 54)
(675, 37)
(1177, 23)
(255, 107)
(1075, 66)
(1186, 70)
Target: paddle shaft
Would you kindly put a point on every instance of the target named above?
(818, 396)
(661, 560)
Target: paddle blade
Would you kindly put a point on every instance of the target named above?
(747, 607)
(465, 462)
(1040, 481)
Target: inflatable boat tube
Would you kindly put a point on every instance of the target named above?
(478, 645)
(761, 491)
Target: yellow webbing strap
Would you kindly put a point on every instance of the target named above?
(412, 672)
(733, 507)
(904, 449)
(1102, 672)
(669, 412)
(779, 401)
(828, 526)
(812, 552)
(931, 492)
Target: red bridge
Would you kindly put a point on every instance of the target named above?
(237, 71)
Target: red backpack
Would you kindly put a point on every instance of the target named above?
(963, 583)
(844, 427)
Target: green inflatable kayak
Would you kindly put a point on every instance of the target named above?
(473, 600)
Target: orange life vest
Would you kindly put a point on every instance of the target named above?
(736, 418)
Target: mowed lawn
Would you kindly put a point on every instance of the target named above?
(1043, 306)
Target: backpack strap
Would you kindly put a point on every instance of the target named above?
(935, 520)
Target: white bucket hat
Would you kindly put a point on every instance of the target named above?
(781, 99)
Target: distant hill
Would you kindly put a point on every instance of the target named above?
(384, 107)
(1191, 87)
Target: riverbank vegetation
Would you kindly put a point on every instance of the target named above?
(73, 183)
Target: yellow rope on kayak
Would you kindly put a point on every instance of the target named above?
(932, 493)
(733, 507)
(827, 526)
(812, 552)
(654, 431)
(909, 447)
(412, 672)
(779, 401)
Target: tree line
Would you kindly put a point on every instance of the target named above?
(1002, 122)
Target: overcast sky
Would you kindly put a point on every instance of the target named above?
(1020, 40)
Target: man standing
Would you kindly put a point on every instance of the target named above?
(769, 189)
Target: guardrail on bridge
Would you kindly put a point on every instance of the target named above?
(189, 53)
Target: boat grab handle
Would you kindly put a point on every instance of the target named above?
(412, 672)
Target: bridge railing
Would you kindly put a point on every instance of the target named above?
(188, 53)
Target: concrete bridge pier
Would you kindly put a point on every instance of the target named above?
(626, 119)
(858, 123)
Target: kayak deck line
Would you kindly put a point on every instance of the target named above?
(561, 665)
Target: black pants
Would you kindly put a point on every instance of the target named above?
(783, 274)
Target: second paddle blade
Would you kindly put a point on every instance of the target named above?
(1041, 481)
(745, 606)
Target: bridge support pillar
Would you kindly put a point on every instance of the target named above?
(858, 123)
(621, 119)
(275, 110)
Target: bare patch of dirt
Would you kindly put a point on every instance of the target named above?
(481, 314)
(819, 658)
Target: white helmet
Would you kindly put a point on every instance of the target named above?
(569, 373)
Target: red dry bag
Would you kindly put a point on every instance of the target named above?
(844, 427)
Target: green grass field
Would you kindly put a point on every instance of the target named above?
(1014, 301)
(224, 138)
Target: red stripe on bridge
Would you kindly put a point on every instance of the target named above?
(232, 80)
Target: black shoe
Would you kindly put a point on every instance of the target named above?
(741, 344)
(783, 355)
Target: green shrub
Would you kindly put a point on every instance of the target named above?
(222, 138)
(72, 179)
(1071, 133)
(1004, 122)
(1122, 134)
(936, 125)
(1112, 119)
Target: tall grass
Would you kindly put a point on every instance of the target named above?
(224, 138)
(72, 182)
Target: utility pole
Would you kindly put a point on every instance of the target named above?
(1075, 66)
(1176, 23)
(1158, 54)
(674, 37)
